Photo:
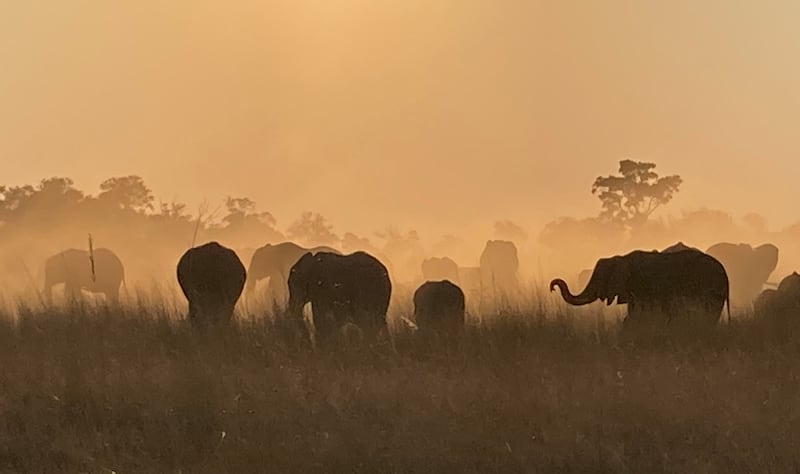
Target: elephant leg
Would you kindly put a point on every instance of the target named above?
(72, 293)
(192, 315)
(112, 296)
(366, 320)
(325, 327)
(226, 313)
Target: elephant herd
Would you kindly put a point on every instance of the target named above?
(679, 283)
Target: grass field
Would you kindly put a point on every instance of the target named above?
(131, 390)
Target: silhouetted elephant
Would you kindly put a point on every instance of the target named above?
(439, 268)
(439, 308)
(782, 304)
(275, 262)
(748, 268)
(73, 268)
(212, 278)
(499, 268)
(657, 285)
(341, 288)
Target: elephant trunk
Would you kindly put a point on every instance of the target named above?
(588, 295)
(294, 307)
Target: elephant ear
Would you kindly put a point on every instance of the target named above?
(766, 258)
(616, 283)
(304, 263)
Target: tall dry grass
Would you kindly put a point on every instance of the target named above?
(94, 388)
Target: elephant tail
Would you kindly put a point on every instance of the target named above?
(728, 301)
(124, 286)
(728, 307)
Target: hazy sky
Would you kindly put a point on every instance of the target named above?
(432, 113)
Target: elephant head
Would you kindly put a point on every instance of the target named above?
(748, 268)
(275, 262)
(765, 260)
(607, 283)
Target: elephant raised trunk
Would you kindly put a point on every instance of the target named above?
(588, 295)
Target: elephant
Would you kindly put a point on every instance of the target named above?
(586, 274)
(102, 273)
(499, 265)
(656, 282)
(212, 278)
(782, 303)
(274, 262)
(748, 268)
(439, 268)
(353, 288)
(439, 308)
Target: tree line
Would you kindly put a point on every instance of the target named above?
(39, 220)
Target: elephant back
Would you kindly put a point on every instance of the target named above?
(211, 271)
(790, 284)
(500, 256)
(107, 261)
(438, 297)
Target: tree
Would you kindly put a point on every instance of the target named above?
(312, 229)
(241, 211)
(447, 245)
(13, 198)
(126, 193)
(631, 197)
(508, 230)
(352, 243)
(403, 248)
(756, 223)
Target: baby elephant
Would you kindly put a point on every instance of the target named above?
(439, 308)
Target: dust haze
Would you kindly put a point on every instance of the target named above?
(442, 117)
(500, 146)
(439, 119)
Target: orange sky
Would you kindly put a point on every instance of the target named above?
(434, 114)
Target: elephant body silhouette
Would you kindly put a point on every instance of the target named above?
(657, 286)
(439, 268)
(73, 268)
(439, 307)
(499, 266)
(748, 268)
(212, 278)
(275, 262)
(781, 304)
(353, 288)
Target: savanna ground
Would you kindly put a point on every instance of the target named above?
(130, 389)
